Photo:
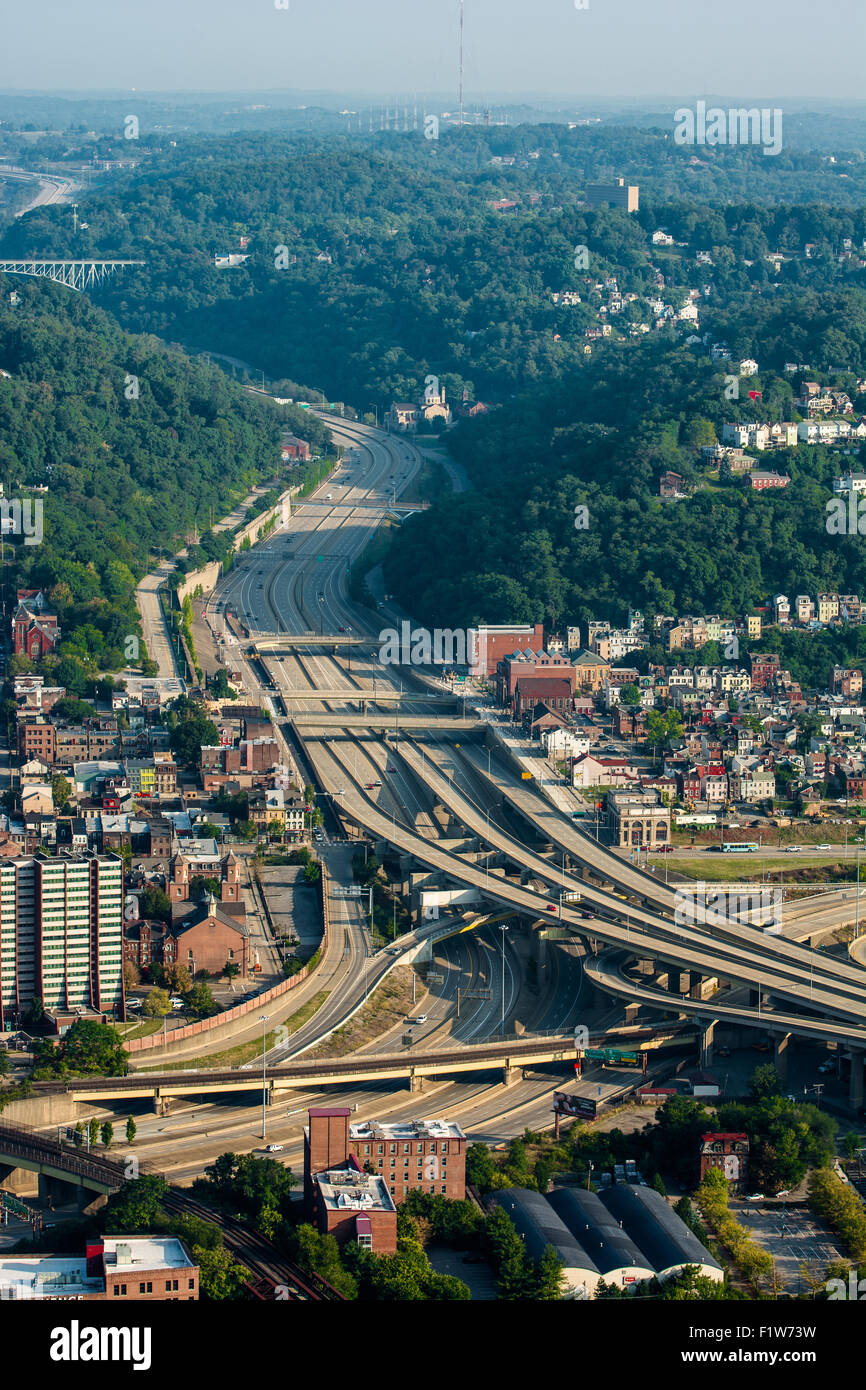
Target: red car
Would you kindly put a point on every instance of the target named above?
(664, 849)
(551, 907)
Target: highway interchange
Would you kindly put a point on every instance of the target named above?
(456, 806)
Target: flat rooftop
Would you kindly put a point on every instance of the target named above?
(406, 1129)
(343, 1189)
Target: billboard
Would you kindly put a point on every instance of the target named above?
(581, 1107)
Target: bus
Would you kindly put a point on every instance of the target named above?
(747, 847)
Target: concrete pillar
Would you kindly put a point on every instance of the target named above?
(780, 1055)
(645, 967)
(21, 1182)
(510, 1075)
(707, 1041)
(855, 1093)
(416, 1083)
(675, 980)
(631, 1012)
(695, 981)
(162, 1104)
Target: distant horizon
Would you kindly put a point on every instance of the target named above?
(552, 50)
(317, 95)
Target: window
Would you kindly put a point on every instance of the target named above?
(168, 1286)
(380, 1149)
(444, 1187)
(392, 1148)
(141, 1288)
(365, 1242)
(407, 1148)
(192, 1283)
(116, 1290)
(366, 1148)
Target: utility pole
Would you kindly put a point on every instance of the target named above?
(460, 74)
(503, 929)
(263, 1018)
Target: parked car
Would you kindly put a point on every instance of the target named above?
(274, 1149)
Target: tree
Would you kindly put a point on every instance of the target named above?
(61, 791)
(78, 1135)
(35, 1013)
(157, 1004)
(131, 974)
(659, 1186)
(765, 1082)
(222, 1278)
(630, 695)
(131, 1130)
(88, 1049)
(108, 1134)
(137, 1206)
(231, 970)
(5, 1064)
(200, 1001)
(93, 1129)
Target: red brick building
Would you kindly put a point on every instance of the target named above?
(113, 1268)
(500, 641)
(763, 667)
(730, 1152)
(365, 1169)
(35, 633)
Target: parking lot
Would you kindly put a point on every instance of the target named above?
(793, 1237)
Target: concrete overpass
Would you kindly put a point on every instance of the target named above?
(735, 952)
(352, 695)
(507, 1056)
(291, 641)
(382, 722)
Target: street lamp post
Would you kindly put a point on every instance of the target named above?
(503, 929)
(263, 1018)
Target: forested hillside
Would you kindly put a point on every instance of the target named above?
(136, 445)
(602, 439)
(396, 263)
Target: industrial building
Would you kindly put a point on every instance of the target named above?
(538, 1226)
(609, 1245)
(624, 1235)
(666, 1241)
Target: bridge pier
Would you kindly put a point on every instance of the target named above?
(416, 1083)
(510, 1074)
(645, 967)
(855, 1090)
(781, 1054)
(696, 980)
(21, 1182)
(162, 1104)
(708, 1038)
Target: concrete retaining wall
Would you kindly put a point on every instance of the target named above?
(206, 579)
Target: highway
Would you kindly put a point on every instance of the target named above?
(296, 583)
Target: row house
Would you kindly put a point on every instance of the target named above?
(847, 682)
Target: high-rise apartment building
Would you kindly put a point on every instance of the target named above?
(61, 935)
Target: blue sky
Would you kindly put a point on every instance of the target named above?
(799, 50)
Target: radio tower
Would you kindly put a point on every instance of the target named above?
(460, 65)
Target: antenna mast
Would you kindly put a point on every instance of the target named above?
(460, 85)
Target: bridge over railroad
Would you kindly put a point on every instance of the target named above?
(508, 1055)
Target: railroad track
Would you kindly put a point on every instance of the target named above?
(276, 1278)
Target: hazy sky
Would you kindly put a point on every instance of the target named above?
(802, 50)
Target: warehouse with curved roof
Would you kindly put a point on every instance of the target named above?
(666, 1241)
(609, 1245)
(539, 1226)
